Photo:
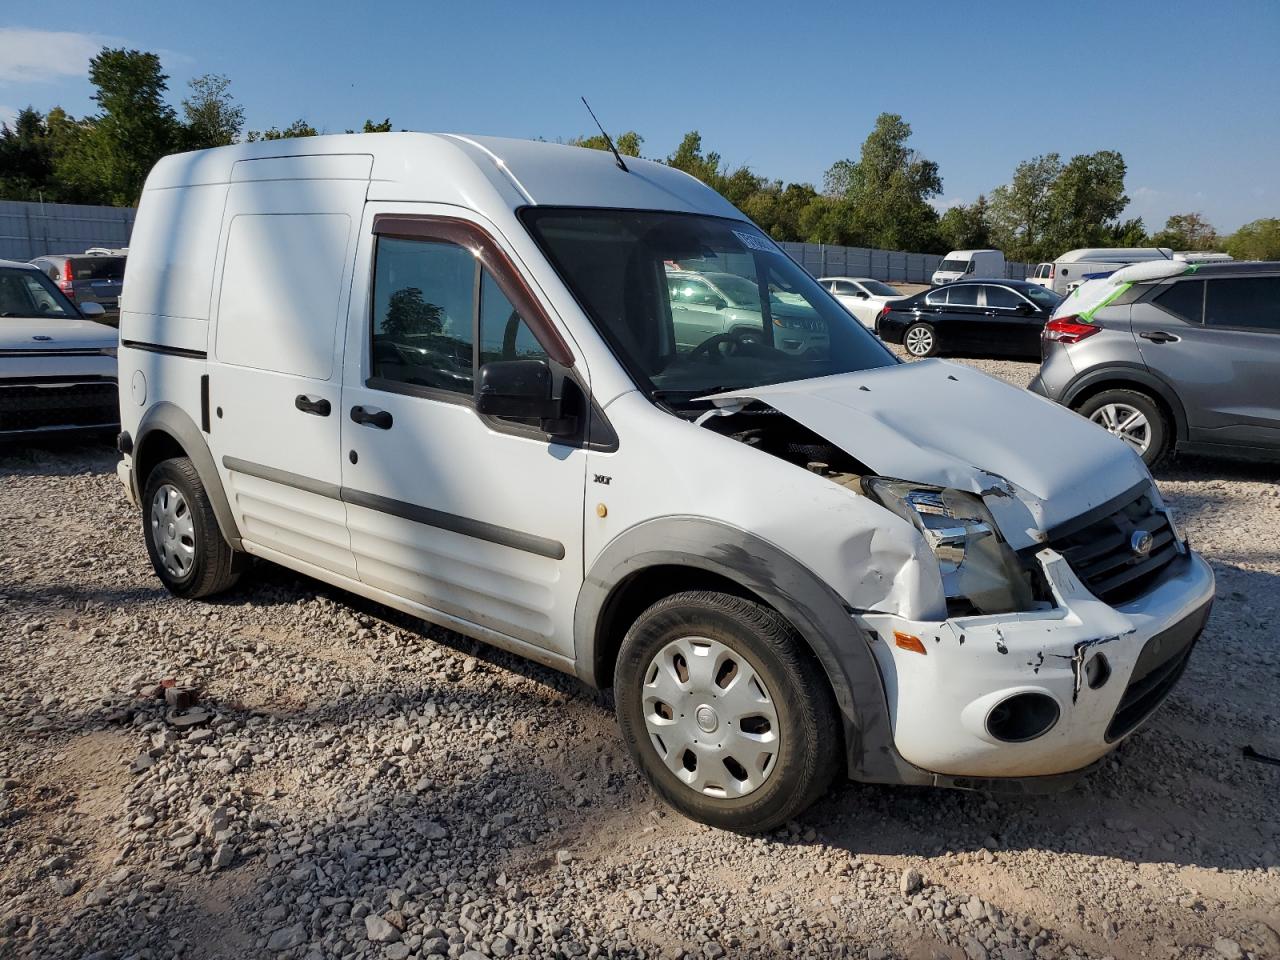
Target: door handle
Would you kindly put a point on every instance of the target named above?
(372, 418)
(1159, 336)
(316, 405)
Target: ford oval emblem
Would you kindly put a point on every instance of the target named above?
(41, 336)
(1141, 542)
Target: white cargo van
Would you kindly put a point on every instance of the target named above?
(446, 373)
(1092, 263)
(969, 265)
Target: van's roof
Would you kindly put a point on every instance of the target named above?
(967, 253)
(1116, 254)
(467, 170)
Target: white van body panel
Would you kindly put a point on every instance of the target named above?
(1076, 266)
(979, 264)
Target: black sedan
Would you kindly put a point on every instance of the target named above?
(971, 318)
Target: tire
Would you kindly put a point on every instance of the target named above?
(186, 547)
(1150, 436)
(750, 776)
(926, 340)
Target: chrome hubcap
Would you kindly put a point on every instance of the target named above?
(172, 530)
(710, 717)
(1128, 423)
(919, 341)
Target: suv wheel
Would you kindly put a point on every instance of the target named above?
(920, 340)
(729, 719)
(186, 547)
(1133, 417)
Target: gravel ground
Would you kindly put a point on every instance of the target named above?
(352, 784)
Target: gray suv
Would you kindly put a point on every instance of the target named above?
(95, 276)
(1190, 362)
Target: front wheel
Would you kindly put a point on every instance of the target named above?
(183, 540)
(1134, 418)
(920, 340)
(725, 712)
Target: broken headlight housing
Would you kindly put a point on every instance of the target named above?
(980, 572)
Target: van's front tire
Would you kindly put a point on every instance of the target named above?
(725, 712)
(184, 542)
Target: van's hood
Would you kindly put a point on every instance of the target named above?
(1035, 464)
(55, 333)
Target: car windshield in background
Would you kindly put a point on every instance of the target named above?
(954, 266)
(29, 293)
(878, 289)
(98, 268)
(1041, 296)
(618, 264)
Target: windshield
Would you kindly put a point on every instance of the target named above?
(676, 349)
(29, 293)
(878, 289)
(954, 266)
(1041, 296)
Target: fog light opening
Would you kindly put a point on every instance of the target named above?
(1022, 717)
(1097, 671)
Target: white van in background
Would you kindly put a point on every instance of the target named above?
(1090, 263)
(445, 373)
(969, 265)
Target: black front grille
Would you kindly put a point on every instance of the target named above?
(1158, 668)
(53, 404)
(1100, 546)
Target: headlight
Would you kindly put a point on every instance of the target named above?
(980, 572)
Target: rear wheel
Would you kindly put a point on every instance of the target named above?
(920, 340)
(1133, 417)
(183, 540)
(725, 712)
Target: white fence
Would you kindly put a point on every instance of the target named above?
(31, 229)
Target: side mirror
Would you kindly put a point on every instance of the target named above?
(92, 311)
(1024, 309)
(521, 389)
(719, 303)
(861, 294)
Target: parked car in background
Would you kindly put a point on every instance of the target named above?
(787, 566)
(727, 305)
(95, 276)
(970, 318)
(1170, 356)
(1042, 275)
(57, 362)
(1091, 263)
(969, 265)
(862, 296)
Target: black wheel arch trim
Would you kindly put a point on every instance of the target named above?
(821, 617)
(1128, 376)
(170, 419)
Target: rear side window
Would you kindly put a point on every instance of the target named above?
(965, 296)
(1251, 302)
(1184, 300)
(429, 298)
(98, 268)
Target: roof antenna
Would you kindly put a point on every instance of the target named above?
(607, 139)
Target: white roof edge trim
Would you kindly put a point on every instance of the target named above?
(497, 160)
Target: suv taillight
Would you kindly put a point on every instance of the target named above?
(1068, 330)
(67, 284)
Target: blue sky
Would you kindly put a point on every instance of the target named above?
(1188, 92)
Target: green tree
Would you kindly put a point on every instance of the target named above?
(383, 126)
(628, 143)
(1020, 211)
(1130, 233)
(1187, 231)
(110, 155)
(299, 128)
(887, 191)
(26, 158)
(213, 118)
(1086, 200)
(1259, 240)
(965, 227)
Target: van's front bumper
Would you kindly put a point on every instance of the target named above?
(939, 701)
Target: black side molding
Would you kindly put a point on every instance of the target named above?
(204, 402)
(165, 349)
(466, 526)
